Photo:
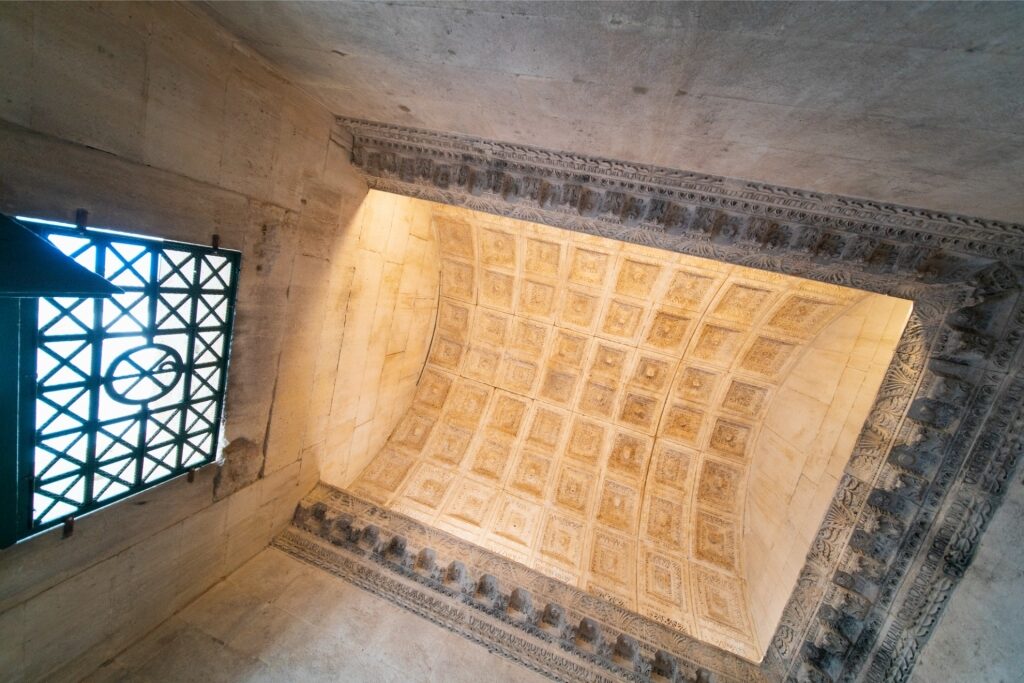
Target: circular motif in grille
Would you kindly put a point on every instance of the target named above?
(144, 373)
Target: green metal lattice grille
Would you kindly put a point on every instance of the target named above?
(129, 390)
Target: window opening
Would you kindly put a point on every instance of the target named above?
(129, 390)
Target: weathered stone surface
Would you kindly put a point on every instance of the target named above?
(975, 637)
(154, 120)
(243, 464)
(278, 618)
(867, 100)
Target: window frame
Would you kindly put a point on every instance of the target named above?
(18, 477)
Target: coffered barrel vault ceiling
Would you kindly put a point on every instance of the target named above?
(658, 429)
(929, 467)
(911, 103)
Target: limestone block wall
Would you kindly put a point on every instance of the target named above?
(877, 118)
(382, 301)
(279, 619)
(155, 120)
(804, 444)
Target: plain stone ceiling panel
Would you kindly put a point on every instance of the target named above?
(913, 103)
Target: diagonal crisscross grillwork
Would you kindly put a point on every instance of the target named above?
(129, 391)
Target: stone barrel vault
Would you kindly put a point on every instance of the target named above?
(660, 430)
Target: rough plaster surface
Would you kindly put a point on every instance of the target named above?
(602, 412)
(913, 103)
(278, 619)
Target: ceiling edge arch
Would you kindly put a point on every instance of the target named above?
(805, 441)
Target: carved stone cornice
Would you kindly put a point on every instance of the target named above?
(931, 463)
(338, 531)
(703, 208)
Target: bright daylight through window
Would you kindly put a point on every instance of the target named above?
(129, 390)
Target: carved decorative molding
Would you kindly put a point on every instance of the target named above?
(452, 581)
(930, 466)
(648, 203)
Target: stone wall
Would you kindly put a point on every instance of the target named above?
(874, 102)
(382, 301)
(280, 619)
(157, 122)
(805, 444)
(979, 637)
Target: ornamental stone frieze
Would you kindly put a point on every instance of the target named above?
(742, 222)
(927, 471)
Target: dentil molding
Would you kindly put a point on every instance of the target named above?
(929, 469)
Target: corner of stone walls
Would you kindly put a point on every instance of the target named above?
(245, 155)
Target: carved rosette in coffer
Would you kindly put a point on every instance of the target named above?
(942, 439)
